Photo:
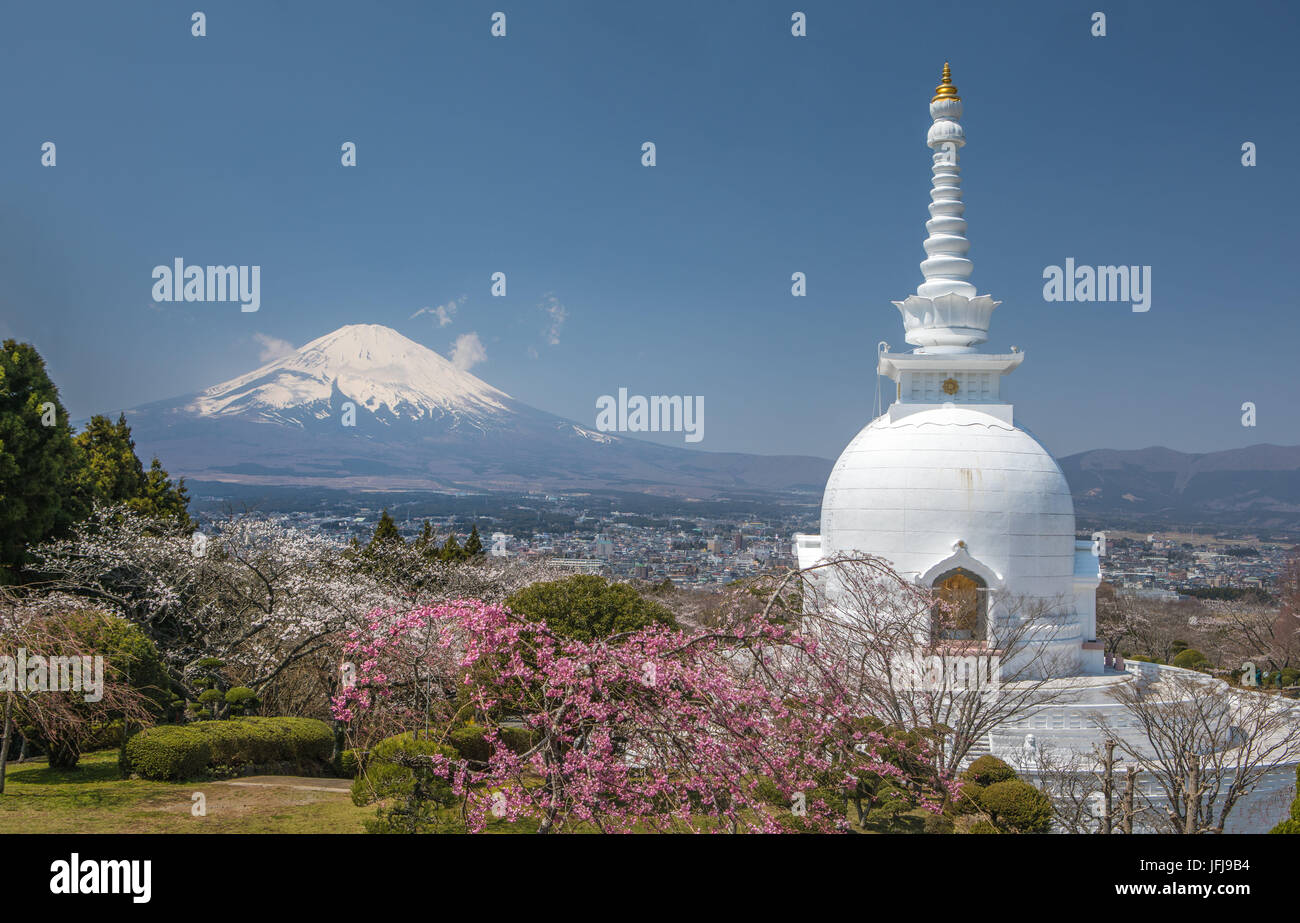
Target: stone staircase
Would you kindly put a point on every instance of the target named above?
(979, 748)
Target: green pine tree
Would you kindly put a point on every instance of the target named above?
(451, 550)
(385, 532)
(161, 499)
(38, 457)
(111, 473)
(425, 538)
(473, 544)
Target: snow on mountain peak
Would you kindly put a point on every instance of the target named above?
(374, 366)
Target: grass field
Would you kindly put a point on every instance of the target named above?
(93, 798)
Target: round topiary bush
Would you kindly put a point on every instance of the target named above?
(470, 743)
(1017, 806)
(208, 702)
(394, 773)
(1190, 659)
(518, 740)
(986, 770)
(241, 700)
(587, 607)
(968, 798)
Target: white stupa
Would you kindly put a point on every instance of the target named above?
(944, 484)
(956, 496)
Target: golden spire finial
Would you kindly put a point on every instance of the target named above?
(946, 88)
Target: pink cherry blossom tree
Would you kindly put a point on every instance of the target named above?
(743, 727)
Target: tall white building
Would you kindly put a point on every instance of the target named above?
(958, 497)
(944, 484)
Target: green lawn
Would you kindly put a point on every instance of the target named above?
(93, 798)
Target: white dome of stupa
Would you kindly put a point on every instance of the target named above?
(911, 489)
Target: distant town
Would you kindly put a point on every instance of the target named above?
(702, 543)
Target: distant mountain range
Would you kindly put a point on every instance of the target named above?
(421, 423)
(1253, 487)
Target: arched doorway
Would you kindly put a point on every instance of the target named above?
(962, 611)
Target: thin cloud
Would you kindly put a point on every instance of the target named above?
(556, 314)
(443, 313)
(272, 347)
(467, 351)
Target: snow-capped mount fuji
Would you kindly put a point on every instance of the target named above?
(394, 378)
(420, 423)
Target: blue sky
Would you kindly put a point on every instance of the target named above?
(775, 154)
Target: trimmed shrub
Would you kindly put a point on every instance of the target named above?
(937, 823)
(968, 798)
(519, 740)
(412, 794)
(891, 803)
(766, 791)
(228, 746)
(1190, 659)
(469, 741)
(105, 736)
(241, 700)
(987, 770)
(166, 753)
(1017, 806)
(305, 742)
(587, 607)
(207, 703)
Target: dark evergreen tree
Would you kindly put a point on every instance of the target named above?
(111, 473)
(474, 544)
(385, 532)
(38, 458)
(162, 499)
(451, 550)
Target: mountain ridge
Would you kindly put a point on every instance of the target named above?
(420, 422)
